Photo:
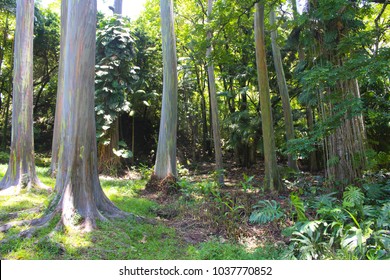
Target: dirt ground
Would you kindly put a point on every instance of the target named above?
(205, 220)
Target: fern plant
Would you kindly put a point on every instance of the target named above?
(266, 211)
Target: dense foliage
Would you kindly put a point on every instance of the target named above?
(335, 57)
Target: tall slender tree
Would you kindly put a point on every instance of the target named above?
(166, 151)
(60, 92)
(283, 90)
(213, 100)
(271, 180)
(21, 168)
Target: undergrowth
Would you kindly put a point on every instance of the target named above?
(115, 239)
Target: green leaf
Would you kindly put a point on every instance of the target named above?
(267, 211)
(299, 207)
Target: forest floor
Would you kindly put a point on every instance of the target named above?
(196, 219)
(200, 211)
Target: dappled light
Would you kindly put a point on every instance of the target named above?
(194, 130)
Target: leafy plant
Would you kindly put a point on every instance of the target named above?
(266, 211)
(353, 197)
(247, 183)
(298, 206)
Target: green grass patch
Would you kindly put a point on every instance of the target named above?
(115, 239)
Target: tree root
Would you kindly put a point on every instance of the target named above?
(85, 224)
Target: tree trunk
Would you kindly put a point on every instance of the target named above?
(345, 149)
(271, 180)
(5, 35)
(309, 111)
(21, 168)
(213, 102)
(82, 200)
(118, 7)
(58, 126)
(8, 102)
(283, 90)
(166, 150)
(5, 127)
(310, 126)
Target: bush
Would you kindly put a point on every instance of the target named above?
(357, 227)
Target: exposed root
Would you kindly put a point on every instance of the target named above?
(73, 220)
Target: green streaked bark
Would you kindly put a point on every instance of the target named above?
(77, 177)
(213, 102)
(60, 93)
(271, 180)
(21, 167)
(166, 150)
(283, 90)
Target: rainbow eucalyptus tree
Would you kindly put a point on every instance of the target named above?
(60, 92)
(166, 151)
(271, 180)
(283, 90)
(21, 168)
(80, 199)
(213, 101)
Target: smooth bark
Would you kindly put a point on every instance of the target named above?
(213, 102)
(81, 198)
(283, 90)
(21, 168)
(118, 7)
(60, 92)
(166, 150)
(271, 180)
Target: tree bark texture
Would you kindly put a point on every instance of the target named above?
(213, 101)
(346, 157)
(283, 90)
(60, 92)
(21, 167)
(271, 181)
(166, 150)
(81, 198)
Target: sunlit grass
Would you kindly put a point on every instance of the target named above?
(114, 239)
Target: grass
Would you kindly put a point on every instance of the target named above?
(116, 239)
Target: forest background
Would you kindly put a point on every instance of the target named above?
(278, 149)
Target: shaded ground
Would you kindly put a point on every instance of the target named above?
(200, 217)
